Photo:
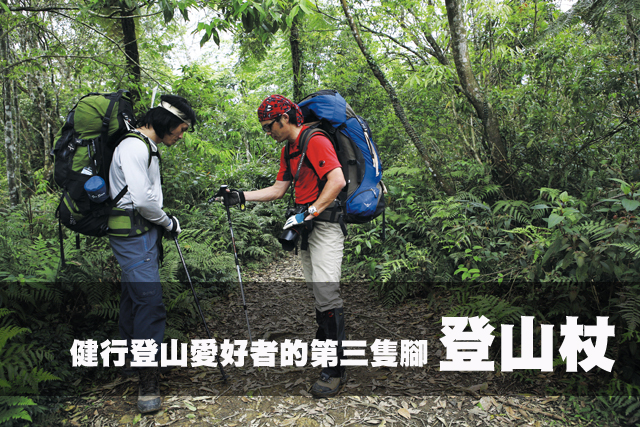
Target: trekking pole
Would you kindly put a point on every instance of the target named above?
(195, 297)
(225, 195)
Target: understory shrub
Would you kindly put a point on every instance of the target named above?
(551, 257)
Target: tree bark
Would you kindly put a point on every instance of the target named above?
(633, 35)
(45, 124)
(397, 106)
(10, 138)
(131, 53)
(17, 130)
(296, 61)
(472, 91)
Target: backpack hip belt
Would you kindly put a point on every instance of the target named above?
(128, 223)
(333, 213)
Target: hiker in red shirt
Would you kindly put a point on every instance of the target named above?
(319, 181)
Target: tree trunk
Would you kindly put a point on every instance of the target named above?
(296, 61)
(45, 124)
(472, 91)
(633, 35)
(17, 130)
(131, 53)
(395, 102)
(10, 145)
(10, 139)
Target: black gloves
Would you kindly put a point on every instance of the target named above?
(235, 197)
(229, 197)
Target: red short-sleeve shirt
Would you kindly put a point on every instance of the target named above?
(323, 158)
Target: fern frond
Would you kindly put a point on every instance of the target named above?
(16, 401)
(463, 196)
(396, 295)
(490, 190)
(171, 333)
(516, 209)
(630, 308)
(9, 332)
(474, 204)
(496, 309)
(40, 375)
(596, 230)
(14, 413)
(107, 309)
(632, 248)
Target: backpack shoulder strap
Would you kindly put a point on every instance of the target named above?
(306, 136)
(144, 139)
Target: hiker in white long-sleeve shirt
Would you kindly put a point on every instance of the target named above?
(136, 228)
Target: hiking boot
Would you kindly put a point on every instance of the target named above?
(330, 327)
(327, 386)
(149, 399)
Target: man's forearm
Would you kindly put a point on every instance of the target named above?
(335, 184)
(267, 194)
(328, 195)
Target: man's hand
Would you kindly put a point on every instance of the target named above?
(174, 226)
(294, 220)
(235, 197)
(229, 197)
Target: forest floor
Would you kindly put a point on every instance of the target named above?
(280, 307)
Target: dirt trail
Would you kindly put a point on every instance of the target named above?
(280, 307)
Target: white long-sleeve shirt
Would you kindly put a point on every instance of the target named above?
(130, 166)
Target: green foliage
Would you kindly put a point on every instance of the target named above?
(630, 306)
(19, 373)
(552, 257)
(606, 410)
(14, 408)
(497, 309)
(82, 299)
(562, 241)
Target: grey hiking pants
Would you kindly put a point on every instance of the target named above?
(322, 263)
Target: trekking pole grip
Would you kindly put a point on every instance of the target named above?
(222, 192)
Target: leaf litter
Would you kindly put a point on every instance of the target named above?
(280, 307)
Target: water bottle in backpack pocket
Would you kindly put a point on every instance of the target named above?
(85, 202)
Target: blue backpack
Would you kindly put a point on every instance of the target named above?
(362, 199)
